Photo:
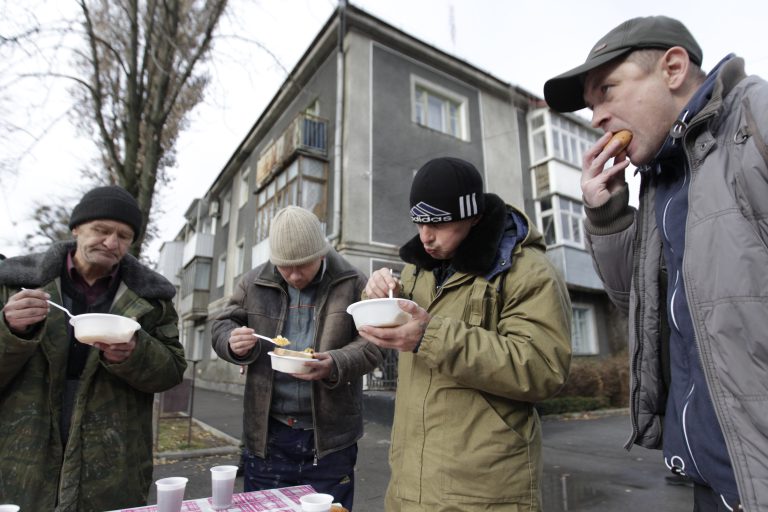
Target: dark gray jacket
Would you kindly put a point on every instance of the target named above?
(260, 301)
(726, 275)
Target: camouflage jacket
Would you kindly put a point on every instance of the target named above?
(107, 461)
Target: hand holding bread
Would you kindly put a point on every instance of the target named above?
(623, 137)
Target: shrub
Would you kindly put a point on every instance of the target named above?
(593, 383)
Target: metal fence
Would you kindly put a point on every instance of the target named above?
(385, 378)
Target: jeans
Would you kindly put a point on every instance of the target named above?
(290, 460)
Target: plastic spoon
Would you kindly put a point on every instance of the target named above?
(57, 306)
(266, 338)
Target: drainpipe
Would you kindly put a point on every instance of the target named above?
(338, 128)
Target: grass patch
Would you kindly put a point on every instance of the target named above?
(174, 434)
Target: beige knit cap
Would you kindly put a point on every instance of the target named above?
(296, 237)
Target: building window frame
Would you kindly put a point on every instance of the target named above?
(221, 270)
(561, 220)
(583, 330)
(245, 188)
(438, 108)
(226, 207)
(551, 135)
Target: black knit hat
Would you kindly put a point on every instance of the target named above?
(446, 189)
(112, 203)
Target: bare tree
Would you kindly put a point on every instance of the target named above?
(141, 78)
(52, 226)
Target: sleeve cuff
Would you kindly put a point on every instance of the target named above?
(612, 217)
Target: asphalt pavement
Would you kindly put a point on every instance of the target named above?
(586, 468)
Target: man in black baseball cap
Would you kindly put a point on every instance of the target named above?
(565, 93)
(699, 141)
(489, 317)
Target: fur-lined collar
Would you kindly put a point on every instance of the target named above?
(36, 270)
(482, 248)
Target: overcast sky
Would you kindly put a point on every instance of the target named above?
(522, 42)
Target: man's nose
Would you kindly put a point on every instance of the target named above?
(112, 240)
(599, 117)
(426, 233)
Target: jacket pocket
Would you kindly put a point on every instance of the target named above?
(485, 459)
(481, 306)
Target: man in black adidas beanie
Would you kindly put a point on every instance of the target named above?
(66, 403)
(489, 336)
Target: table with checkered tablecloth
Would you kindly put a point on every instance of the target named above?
(275, 500)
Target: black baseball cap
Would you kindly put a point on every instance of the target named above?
(565, 93)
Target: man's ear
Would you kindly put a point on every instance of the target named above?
(674, 65)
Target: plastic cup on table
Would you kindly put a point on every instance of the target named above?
(222, 485)
(316, 502)
(170, 493)
(9, 508)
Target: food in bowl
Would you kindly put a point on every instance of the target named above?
(281, 341)
(379, 312)
(307, 353)
(93, 328)
(290, 364)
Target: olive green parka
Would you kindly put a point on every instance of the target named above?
(107, 461)
(466, 436)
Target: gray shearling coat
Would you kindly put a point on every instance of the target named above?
(260, 301)
(726, 277)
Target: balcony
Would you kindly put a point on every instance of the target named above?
(306, 134)
(199, 245)
(194, 305)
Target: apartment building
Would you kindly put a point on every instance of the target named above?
(364, 108)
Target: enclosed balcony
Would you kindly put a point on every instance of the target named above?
(306, 134)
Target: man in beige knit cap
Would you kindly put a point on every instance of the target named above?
(299, 429)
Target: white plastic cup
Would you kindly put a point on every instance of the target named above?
(317, 502)
(9, 508)
(222, 485)
(170, 493)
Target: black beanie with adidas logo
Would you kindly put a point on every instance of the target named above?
(446, 189)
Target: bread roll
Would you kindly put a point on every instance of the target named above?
(624, 137)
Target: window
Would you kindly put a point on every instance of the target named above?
(196, 276)
(226, 207)
(221, 270)
(555, 136)
(303, 183)
(561, 220)
(583, 337)
(197, 344)
(439, 109)
(570, 220)
(245, 189)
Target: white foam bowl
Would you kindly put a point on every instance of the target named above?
(104, 328)
(378, 313)
(289, 364)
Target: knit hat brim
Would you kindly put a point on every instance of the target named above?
(108, 203)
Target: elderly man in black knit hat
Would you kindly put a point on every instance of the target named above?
(76, 419)
(489, 337)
